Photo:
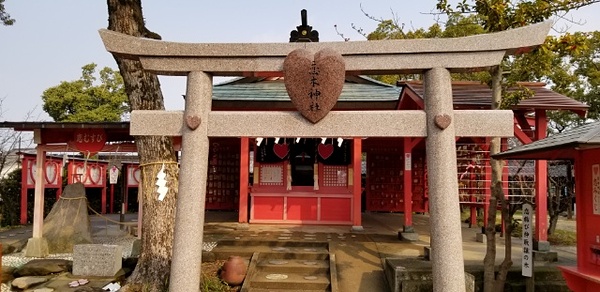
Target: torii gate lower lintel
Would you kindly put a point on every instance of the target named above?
(436, 58)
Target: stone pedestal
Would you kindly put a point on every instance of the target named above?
(357, 228)
(541, 245)
(408, 234)
(427, 253)
(136, 248)
(414, 275)
(545, 256)
(481, 237)
(37, 247)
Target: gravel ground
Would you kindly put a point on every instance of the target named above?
(18, 259)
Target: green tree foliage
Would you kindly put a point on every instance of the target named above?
(4, 16)
(458, 25)
(576, 74)
(85, 101)
(10, 192)
(499, 15)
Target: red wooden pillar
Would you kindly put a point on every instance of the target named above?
(26, 164)
(541, 185)
(71, 172)
(504, 147)
(244, 180)
(488, 191)
(112, 198)
(356, 181)
(407, 181)
(104, 199)
(580, 210)
(473, 184)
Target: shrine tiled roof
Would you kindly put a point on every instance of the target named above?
(476, 95)
(557, 146)
(269, 93)
(356, 88)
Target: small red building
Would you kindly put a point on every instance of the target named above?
(581, 145)
(312, 181)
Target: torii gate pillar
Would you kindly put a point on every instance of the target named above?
(189, 222)
(446, 235)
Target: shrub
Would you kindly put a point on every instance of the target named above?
(10, 195)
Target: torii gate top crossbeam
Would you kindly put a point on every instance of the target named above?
(364, 57)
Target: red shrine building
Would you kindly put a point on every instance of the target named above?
(314, 180)
(582, 146)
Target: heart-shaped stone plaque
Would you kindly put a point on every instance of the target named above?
(325, 150)
(192, 122)
(281, 150)
(442, 121)
(314, 82)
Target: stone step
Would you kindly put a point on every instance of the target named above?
(285, 290)
(298, 242)
(293, 266)
(291, 271)
(300, 281)
(554, 286)
(305, 253)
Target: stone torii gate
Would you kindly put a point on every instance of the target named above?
(435, 58)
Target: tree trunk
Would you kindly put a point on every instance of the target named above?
(496, 191)
(552, 224)
(143, 90)
(507, 262)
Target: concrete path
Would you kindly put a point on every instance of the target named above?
(359, 255)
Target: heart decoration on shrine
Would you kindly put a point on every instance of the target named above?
(136, 175)
(281, 150)
(32, 173)
(442, 121)
(314, 82)
(51, 173)
(325, 150)
(95, 174)
(79, 174)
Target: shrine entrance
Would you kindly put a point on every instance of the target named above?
(439, 122)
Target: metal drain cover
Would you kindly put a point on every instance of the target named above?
(278, 262)
(276, 276)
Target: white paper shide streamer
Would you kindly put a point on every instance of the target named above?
(161, 182)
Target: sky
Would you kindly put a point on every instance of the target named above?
(52, 40)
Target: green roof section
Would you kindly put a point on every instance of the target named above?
(356, 88)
